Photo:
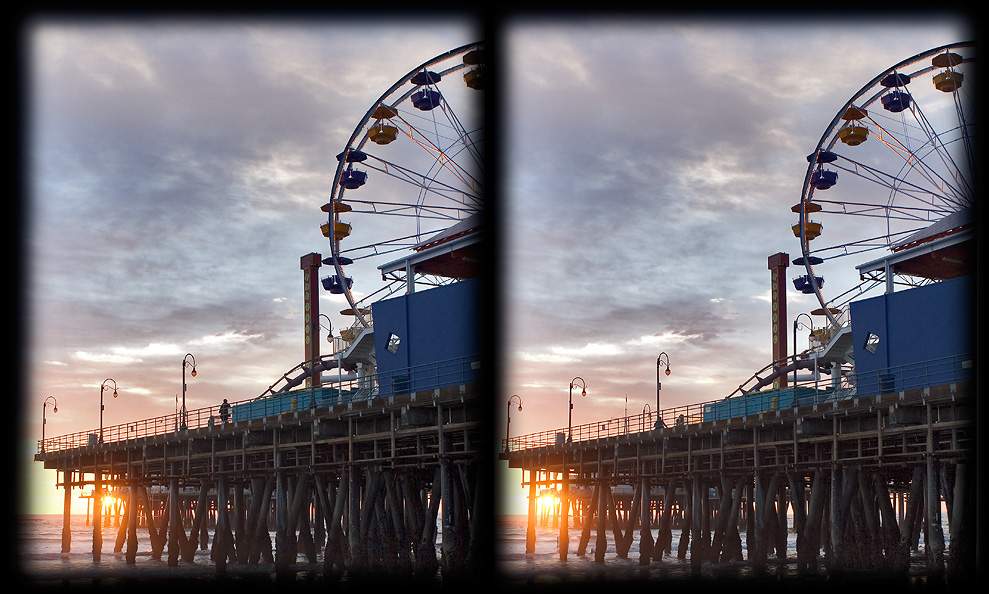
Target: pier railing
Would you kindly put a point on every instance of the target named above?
(462, 370)
(935, 372)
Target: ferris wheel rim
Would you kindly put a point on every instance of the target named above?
(830, 138)
(353, 144)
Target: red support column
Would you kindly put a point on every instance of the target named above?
(310, 264)
(778, 264)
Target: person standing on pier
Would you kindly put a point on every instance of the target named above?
(224, 411)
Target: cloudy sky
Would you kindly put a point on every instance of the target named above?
(176, 171)
(651, 165)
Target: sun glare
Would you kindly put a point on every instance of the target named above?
(546, 502)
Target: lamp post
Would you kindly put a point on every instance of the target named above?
(796, 322)
(315, 376)
(659, 384)
(583, 392)
(185, 363)
(103, 388)
(44, 420)
(508, 424)
(97, 486)
(328, 327)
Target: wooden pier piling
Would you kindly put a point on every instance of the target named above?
(66, 512)
(97, 515)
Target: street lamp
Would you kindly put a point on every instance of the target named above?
(103, 388)
(509, 417)
(583, 392)
(328, 327)
(659, 384)
(185, 363)
(44, 420)
(796, 322)
(315, 377)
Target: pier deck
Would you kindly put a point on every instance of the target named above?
(360, 483)
(840, 468)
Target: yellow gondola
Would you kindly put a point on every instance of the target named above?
(337, 206)
(813, 229)
(474, 79)
(946, 60)
(948, 81)
(383, 112)
(854, 113)
(809, 207)
(341, 230)
(382, 133)
(853, 135)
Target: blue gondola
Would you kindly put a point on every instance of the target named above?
(334, 286)
(352, 156)
(425, 77)
(822, 157)
(426, 99)
(822, 179)
(351, 180)
(896, 101)
(814, 260)
(895, 80)
(805, 285)
(343, 261)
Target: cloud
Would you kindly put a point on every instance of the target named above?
(543, 357)
(227, 339)
(115, 358)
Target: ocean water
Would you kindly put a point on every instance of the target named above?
(40, 560)
(544, 567)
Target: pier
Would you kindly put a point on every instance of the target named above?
(371, 459)
(861, 479)
(366, 485)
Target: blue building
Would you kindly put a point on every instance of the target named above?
(428, 340)
(922, 336)
(916, 338)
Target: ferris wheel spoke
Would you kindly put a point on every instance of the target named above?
(445, 158)
(914, 160)
(898, 185)
(383, 247)
(861, 288)
(422, 181)
(468, 141)
(940, 149)
(401, 209)
(963, 190)
(897, 212)
(860, 245)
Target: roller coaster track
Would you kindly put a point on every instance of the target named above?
(303, 371)
(776, 369)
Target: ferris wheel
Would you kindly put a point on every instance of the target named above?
(410, 177)
(894, 170)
